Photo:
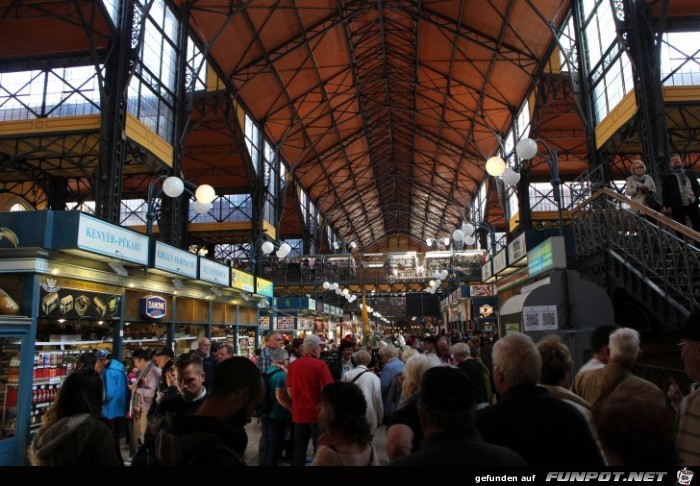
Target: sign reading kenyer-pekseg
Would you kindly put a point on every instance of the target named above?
(107, 239)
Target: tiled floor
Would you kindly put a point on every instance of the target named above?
(254, 431)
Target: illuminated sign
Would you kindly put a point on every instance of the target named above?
(242, 281)
(153, 307)
(546, 256)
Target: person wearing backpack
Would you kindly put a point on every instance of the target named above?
(275, 409)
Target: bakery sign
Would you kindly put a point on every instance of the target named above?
(68, 299)
(153, 307)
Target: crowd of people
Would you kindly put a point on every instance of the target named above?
(443, 400)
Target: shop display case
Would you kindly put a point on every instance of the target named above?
(10, 353)
(246, 342)
(187, 337)
(223, 334)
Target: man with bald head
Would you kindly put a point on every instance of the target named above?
(274, 341)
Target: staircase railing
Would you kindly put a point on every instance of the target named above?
(665, 252)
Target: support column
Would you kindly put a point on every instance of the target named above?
(175, 210)
(584, 94)
(107, 182)
(642, 43)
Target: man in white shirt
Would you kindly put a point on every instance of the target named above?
(371, 388)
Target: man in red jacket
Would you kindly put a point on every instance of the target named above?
(307, 376)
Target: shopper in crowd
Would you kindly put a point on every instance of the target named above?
(527, 418)
(391, 367)
(224, 352)
(189, 379)
(274, 341)
(599, 345)
(143, 392)
(113, 376)
(636, 431)
(275, 421)
(404, 431)
(72, 433)
(554, 377)
(295, 349)
(641, 187)
(208, 361)
(215, 435)
(345, 361)
(343, 419)
(85, 361)
(680, 194)
(371, 388)
(446, 411)
(463, 355)
(167, 389)
(688, 425)
(307, 377)
(444, 351)
(596, 386)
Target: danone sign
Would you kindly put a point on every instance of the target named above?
(153, 307)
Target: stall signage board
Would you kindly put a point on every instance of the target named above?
(500, 261)
(487, 270)
(517, 249)
(265, 287)
(483, 290)
(312, 304)
(110, 240)
(214, 272)
(174, 260)
(71, 299)
(153, 307)
(242, 281)
(548, 255)
(540, 318)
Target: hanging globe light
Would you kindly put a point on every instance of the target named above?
(173, 186)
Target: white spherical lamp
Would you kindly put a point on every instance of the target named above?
(458, 235)
(468, 229)
(205, 193)
(495, 166)
(284, 250)
(444, 274)
(346, 292)
(201, 208)
(268, 248)
(469, 240)
(326, 285)
(510, 177)
(335, 286)
(173, 186)
(526, 148)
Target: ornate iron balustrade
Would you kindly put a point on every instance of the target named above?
(665, 252)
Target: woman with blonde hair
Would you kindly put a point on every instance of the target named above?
(404, 433)
(640, 186)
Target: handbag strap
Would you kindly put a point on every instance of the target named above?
(358, 376)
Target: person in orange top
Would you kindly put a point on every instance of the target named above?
(307, 377)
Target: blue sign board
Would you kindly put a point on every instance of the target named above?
(174, 260)
(213, 272)
(111, 240)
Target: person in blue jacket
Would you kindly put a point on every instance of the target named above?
(114, 402)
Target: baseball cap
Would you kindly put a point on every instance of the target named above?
(446, 389)
(166, 351)
(312, 340)
(102, 354)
